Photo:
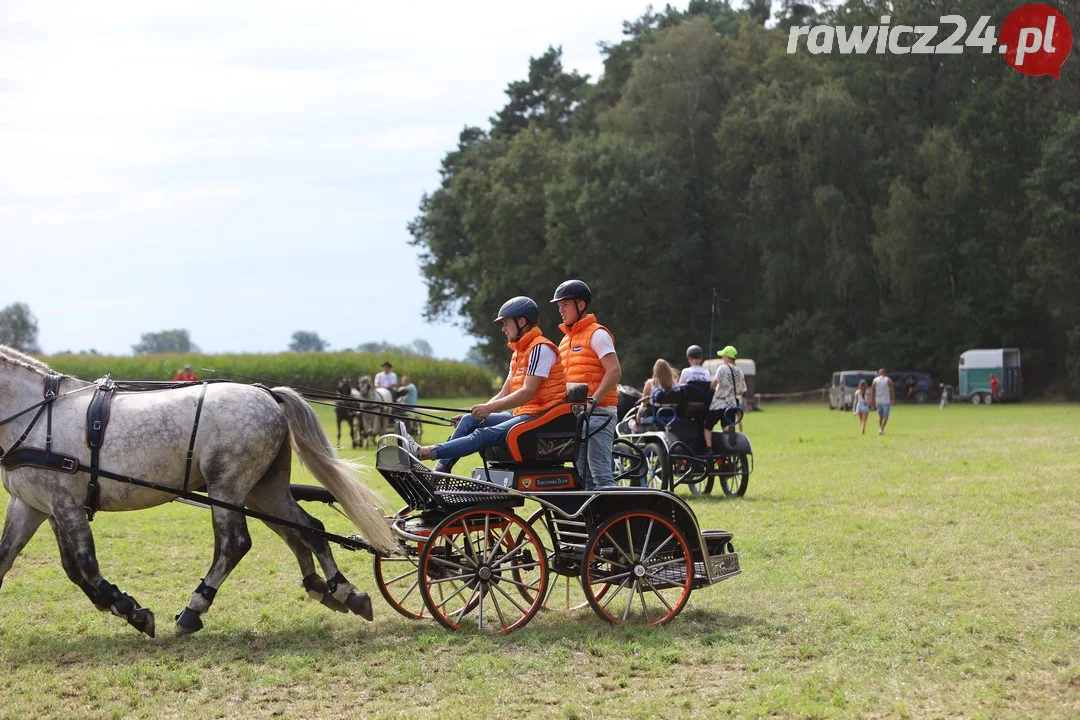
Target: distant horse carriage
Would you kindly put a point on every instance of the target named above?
(673, 441)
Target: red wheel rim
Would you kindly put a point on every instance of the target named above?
(638, 570)
(484, 568)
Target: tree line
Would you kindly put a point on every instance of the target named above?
(850, 211)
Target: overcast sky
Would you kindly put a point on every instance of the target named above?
(246, 169)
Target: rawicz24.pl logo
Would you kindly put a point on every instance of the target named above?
(1035, 39)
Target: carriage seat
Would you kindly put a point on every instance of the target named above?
(690, 401)
(550, 438)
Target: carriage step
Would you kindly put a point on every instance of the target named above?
(724, 566)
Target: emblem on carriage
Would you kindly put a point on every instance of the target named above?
(526, 482)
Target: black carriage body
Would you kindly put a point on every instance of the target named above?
(585, 533)
(677, 440)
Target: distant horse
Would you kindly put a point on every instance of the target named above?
(241, 455)
(375, 418)
(345, 411)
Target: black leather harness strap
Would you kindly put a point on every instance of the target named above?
(97, 418)
(194, 432)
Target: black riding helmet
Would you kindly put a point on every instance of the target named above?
(573, 290)
(694, 352)
(519, 306)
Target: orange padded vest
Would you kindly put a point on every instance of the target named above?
(579, 359)
(552, 391)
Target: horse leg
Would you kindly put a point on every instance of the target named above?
(79, 558)
(71, 568)
(20, 524)
(231, 543)
(271, 496)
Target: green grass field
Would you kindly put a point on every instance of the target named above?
(930, 572)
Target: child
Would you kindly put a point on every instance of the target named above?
(862, 406)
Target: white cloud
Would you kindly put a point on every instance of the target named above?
(136, 138)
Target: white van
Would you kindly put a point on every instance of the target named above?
(843, 386)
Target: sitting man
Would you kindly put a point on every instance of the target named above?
(695, 372)
(406, 394)
(536, 383)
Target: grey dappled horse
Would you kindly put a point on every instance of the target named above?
(375, 419)
(242, 455)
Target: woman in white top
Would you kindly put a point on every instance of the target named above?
(862, 406)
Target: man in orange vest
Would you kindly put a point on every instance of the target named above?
(536, 383)
(588, 356)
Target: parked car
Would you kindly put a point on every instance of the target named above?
(843, 386)
(920, 389)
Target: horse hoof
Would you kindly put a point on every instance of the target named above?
(360, 603)
(332, 602)
(188, 622)
(143, 621)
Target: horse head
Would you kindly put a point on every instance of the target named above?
(343, 387)
(365, 386)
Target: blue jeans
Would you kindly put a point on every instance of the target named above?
(598, 473)
(472, 435)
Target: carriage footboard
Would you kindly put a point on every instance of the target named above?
(722, 558)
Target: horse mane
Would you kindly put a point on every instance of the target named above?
(15, 357)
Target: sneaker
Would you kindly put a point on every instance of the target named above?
(440, 467)
(881, 431)
(411, 445)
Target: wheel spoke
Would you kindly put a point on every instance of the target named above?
(657, 593)
(508, 596)
(661, 546)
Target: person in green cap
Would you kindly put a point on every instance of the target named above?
(729, 385)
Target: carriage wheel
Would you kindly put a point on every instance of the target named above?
(483, 566)
(643, 564)
(737, 478)
(657, 467)
(625, 455)
(565, 592)
(398, 579)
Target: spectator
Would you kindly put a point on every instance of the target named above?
(994, 387)
(862, 405)
(883, 394)
(185, 375)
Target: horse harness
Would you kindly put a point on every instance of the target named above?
(97, 419)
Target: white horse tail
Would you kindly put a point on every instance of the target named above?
(312, 446)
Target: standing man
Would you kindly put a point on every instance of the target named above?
(728, 386)
(535, 384)
(882, 397)
(994, 387)
(587, 352)
(694, 373)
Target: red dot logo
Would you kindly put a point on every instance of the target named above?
(1035, 40)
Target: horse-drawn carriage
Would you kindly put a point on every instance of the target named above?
(459, 545)
(672, 440)
(632, 554)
